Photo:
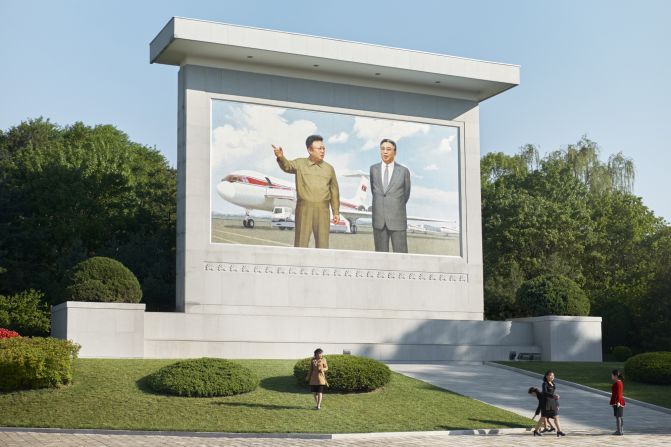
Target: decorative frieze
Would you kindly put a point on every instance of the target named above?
(337, 272)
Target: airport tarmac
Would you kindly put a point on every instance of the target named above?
(230, 230)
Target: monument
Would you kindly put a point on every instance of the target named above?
(244, 289)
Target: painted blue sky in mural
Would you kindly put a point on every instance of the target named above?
(242, 135)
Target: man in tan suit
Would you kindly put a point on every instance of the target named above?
(316, 188)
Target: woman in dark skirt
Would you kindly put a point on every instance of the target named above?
(542, 421)
(317, 376)
(550, 406)
(617, 400)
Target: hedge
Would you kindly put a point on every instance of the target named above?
(101, 279)
(204, 377)
(30, 363)
(348, 373)
(650, 367)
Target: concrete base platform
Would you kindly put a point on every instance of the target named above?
(127, 331)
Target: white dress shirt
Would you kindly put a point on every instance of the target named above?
(391, 171)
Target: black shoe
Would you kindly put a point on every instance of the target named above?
(550, 430)
(560, 433)
(536, 433)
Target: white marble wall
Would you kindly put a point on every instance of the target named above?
(566, 338)
(108, 330)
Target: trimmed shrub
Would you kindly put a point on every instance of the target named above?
(25, 313)
(622, 353)
(552, 295)
(348, 373)
(650, 367)
(101, 279)
(204, 377)
(30, 363)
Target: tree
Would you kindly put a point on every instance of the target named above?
(583, 159)
(655, 308)
(571, 214)
(535, 222)
(69, 193)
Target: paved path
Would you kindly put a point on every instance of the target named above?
(28, 439)
(580, 410)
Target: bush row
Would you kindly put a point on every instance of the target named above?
(30, 363)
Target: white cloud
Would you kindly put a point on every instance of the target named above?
(373, 130)
(341, 137)
(447, 144)
(433, 203)
(431, 167)
(436, 196)
(256, 129)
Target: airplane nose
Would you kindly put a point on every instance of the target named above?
(226, 190)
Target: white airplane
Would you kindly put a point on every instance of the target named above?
(430, 229)
(253, 190)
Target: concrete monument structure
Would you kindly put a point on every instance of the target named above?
(246, 292)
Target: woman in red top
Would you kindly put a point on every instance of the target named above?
(617, 400)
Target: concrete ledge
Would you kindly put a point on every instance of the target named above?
(580, 386)
(559, 318)
(325, 436)
(90, 305)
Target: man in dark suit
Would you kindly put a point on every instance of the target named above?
(390, 186)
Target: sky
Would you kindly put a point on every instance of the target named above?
(599, 68)
(242, 135)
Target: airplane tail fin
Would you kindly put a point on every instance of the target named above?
(360, 198)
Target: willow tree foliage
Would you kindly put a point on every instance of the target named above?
(572, 214)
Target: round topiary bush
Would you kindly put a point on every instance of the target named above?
(348, 373)
(105, 280)
(552, 295)
(650, 367)
(204, 377)
(622, 353)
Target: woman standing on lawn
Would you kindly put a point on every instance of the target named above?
(317, 376)
(617, 400)
(550, 407)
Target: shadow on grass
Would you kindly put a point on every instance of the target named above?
(263, 406)
(143, 385)
(283, 384)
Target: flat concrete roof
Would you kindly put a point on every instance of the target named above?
(187, 41)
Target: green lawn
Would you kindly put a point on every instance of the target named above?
(597, 375)
(109, 394)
